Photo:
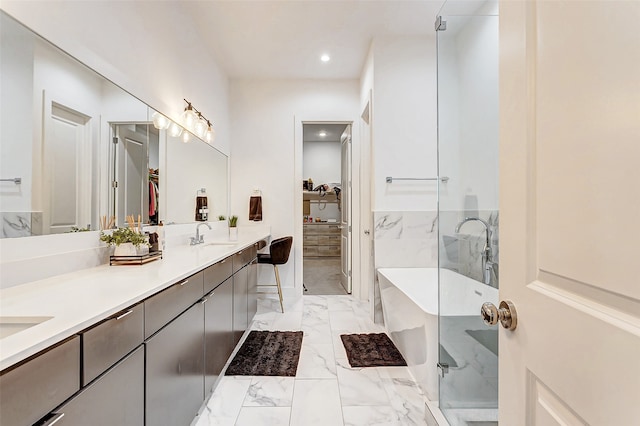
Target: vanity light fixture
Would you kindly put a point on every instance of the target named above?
(322, 134)
(186, 136)
(210, 135)
(189, 117)
(160, 122)
(197, 123)
(200, 127)
(325, 58)
(175, 129)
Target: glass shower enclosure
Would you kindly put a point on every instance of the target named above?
(467, 37)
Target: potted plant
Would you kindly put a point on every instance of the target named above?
(233, 228)
(127, 242)
(221, 217)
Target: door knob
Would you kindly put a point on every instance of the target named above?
(506, 314)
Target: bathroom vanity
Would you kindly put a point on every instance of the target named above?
(126, 345)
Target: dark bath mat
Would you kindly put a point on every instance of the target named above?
(267, 353)
(371, 350)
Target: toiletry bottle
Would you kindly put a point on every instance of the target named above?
(161, 240)
(202, 208)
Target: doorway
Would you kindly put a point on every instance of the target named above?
(326, 208)
(134, 172)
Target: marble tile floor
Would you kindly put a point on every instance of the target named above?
(321, 276)
(326, 391)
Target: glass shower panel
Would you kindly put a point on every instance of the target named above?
(468, 212)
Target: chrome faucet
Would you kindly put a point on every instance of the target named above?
(487, 259)
(199, 239)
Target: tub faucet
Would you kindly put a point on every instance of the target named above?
(199, 239)
(487, 260)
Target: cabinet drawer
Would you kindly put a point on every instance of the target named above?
(310, 240)
(117, 398)
(215, 275)
(310, 251)
(321, 229)
(328, 250)
(171, 302)
(31, 390)
(108, 342)
(329, 240)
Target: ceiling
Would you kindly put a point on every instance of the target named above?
(311, 132)
(285, 39)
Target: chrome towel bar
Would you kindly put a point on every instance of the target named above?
(390, 179)
(17, 180)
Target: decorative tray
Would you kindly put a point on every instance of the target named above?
(135, 260)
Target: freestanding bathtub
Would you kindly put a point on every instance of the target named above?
(410, 307)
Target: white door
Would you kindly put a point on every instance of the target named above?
(131, 191)
(67, 170)
(345, 216)
(366, 216)
(570, 206)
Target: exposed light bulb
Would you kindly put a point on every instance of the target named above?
(186, 137)
(200, 127)
(210, 136)
(175, 129)
(160, 122)
(189, 117)
(325, 58)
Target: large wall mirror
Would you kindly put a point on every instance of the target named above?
(74, 147)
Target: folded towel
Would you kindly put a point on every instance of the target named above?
(255, 208)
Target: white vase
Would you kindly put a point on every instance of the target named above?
(125, 249)
(233, 234)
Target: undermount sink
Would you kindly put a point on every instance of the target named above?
(220, 243)
(13, 325)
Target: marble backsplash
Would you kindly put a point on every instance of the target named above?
(403, 240)
(462, 252)
(406, 239)
(20, 224)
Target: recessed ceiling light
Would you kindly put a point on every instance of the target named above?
(325, 58)
(322, 134)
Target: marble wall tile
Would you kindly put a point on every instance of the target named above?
(462, 252)
(316, 403)
(16, 224)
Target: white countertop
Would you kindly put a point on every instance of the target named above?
(80, 299)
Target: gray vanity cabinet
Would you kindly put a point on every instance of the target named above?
(171, 302)
(116, 398)
(175, 370)
(252, 290)
(240, 303)
(106, 343)
(218, 328)
(31, 390)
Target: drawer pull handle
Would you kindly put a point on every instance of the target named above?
(184, 282)
(129, 312)
(204, 300)
(224, 261)
(53, 420)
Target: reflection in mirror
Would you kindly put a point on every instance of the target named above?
(58, 125)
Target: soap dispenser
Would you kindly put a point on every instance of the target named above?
(202, 206)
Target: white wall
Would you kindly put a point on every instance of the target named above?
(16, 114)
(149, 49)
(266, 115)
(404, 122)
(321, 162)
